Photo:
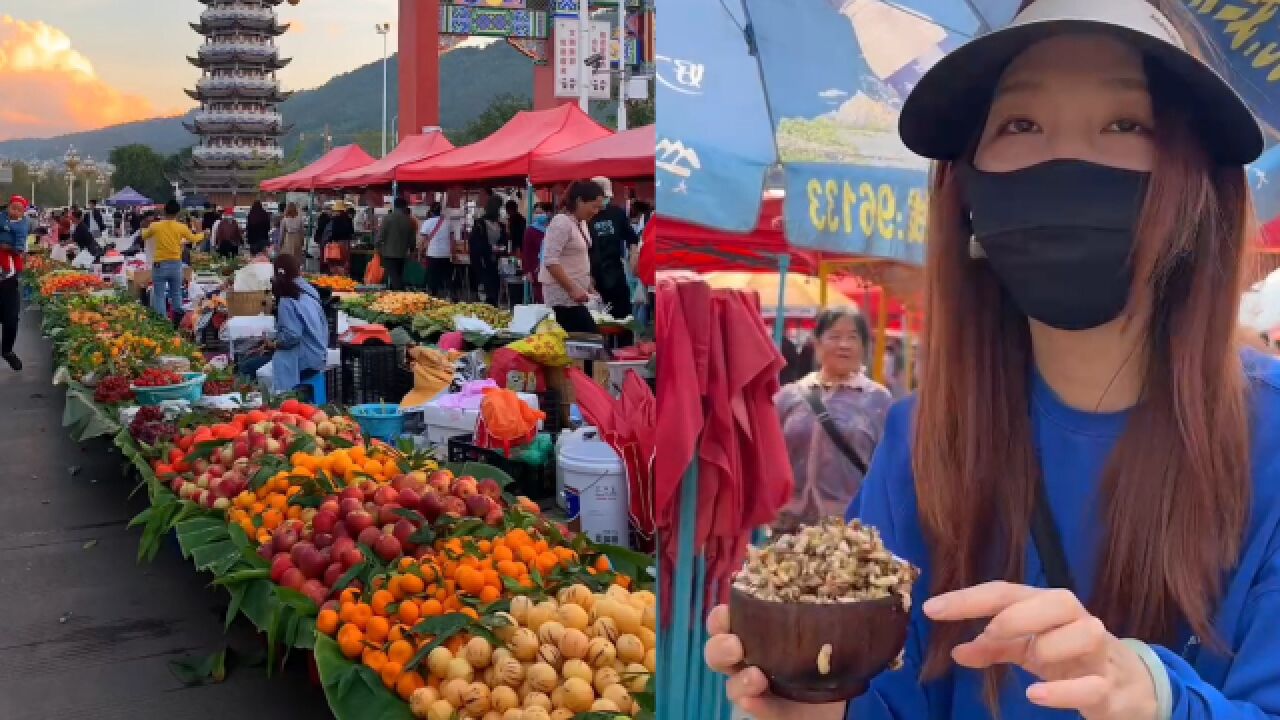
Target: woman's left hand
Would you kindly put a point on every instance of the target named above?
(1082, 666)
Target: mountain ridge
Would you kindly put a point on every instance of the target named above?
(349, 104)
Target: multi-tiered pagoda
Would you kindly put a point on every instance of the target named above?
(238, 122)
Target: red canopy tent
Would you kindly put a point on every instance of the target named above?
(382, 172)
(682, 246)
(508, 153)
(625, 155)
(338, 159)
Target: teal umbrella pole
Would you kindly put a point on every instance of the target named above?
(678, 671)
(780, 319)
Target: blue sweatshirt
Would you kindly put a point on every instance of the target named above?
(1072, 448)
(302, 334)
(13, 233)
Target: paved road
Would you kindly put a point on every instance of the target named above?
(86, 632)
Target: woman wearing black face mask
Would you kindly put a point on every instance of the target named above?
(1087, 420)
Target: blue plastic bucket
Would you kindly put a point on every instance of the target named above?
(383, 421)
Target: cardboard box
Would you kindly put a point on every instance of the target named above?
(139, 280)
(248, 303)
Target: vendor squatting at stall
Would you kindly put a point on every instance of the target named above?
(299, 350)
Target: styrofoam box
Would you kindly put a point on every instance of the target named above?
(444, 423)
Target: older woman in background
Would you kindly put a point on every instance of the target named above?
(293, 232)
(832, 420)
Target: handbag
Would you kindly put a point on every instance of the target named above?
(374, 273)
(1048, 540)
(841, 442)
(333, 252)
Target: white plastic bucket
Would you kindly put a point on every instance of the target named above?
(595, 488)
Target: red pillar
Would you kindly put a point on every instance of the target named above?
(419, 34)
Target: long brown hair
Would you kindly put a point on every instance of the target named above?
(1176, 490)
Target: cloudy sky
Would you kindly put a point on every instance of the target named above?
(71, 65)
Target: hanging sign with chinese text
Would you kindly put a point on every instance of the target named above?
(571, 53)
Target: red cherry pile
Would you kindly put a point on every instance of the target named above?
(155, 377)
(150, 426)
(113, 390)
(214, 388)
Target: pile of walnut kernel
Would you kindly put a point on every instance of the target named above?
(831, 562)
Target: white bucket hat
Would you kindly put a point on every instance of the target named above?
(948, 107)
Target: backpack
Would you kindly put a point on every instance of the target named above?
(228, 235)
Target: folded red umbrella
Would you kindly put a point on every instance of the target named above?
(622, 423)
(718, 373)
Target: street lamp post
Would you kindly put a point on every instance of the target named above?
(72, 161)
(584, 46)
(384, 29)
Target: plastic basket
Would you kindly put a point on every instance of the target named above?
(333, 384)
(190, 389)
(369, 374)
(383, 421)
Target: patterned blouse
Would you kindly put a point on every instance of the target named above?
(826, 480)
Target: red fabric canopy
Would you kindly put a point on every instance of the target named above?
(1271, 235)
(509, 152)
(338, 159)
(682, 246)
(627, 154)
(381, 172)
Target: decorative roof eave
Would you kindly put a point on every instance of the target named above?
(274, 28)
(274, 62)
(232, 128)
(251, 93)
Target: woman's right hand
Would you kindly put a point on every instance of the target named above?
(748, 688)
(579, 296)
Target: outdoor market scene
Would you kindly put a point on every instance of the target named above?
(394, 404)
(934, 420)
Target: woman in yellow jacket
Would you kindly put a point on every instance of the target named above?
(166, 271)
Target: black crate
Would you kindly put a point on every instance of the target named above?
(549, 403)
(371, 374)
(333, 385)
(537, 484)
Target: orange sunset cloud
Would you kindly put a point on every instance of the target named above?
(50, 89)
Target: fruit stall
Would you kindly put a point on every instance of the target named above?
(415, 587)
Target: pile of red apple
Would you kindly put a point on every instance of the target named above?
(226, 473)
(311, 560)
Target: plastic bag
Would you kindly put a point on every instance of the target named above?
(432, 375)
(516, 372)
(374, 273)
(546, 346)
(506, 421)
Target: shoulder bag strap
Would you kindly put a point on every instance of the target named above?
(1048, 540)
(814, 396)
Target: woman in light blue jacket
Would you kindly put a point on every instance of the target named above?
(301, 328)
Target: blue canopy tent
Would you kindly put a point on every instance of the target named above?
(750, 86)
(127, 197)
